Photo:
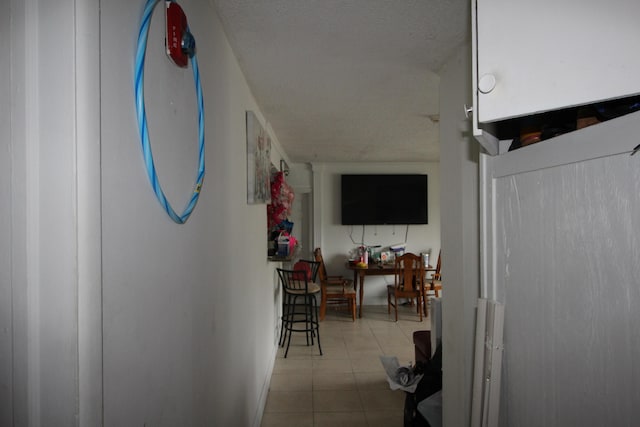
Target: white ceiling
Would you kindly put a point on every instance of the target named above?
(347, 80)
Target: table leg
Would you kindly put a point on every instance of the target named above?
(355, 280)
(361, 293)
(356, 277)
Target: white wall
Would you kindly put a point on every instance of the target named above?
(337, 240)
(6, 347)
(189, 312)
(110, 301)
(40, 230)
(460, 237)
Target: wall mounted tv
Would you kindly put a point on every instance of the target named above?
(384, 199)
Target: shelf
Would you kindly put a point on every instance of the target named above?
(279, 259)
(608, 138)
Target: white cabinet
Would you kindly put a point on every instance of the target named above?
(543, 55)
(560, 238)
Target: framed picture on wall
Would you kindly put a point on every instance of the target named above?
(258, 162)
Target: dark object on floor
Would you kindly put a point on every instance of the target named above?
(431, 382)
(422, 344)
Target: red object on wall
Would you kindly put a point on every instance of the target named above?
(281, 200)
(176, 27)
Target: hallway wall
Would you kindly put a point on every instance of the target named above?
(189, 310)
(110, 313)
(459, 154)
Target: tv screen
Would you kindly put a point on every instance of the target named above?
(384, 199)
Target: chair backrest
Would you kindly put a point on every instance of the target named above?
(437, 275)
(322, 270)
(409, 271)
(311, 267)
(293, 281)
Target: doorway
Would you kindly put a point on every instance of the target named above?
(302, 218)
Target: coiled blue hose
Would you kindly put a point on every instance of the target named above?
(142, 122)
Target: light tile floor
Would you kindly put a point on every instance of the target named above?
(347, 385)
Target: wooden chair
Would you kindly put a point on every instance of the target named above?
(436, 278)
(409, 283)
(335, 289)
(311, 266)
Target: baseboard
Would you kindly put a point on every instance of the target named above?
(264, 393)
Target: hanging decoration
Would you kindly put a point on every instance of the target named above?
(281, 200)
(181, 49)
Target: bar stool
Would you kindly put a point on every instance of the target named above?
(311, 268)
(300, 311)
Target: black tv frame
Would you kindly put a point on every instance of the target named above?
(380, 199)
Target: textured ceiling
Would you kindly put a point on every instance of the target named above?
(346, 80)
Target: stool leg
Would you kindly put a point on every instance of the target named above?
(311, 320)
(286, 352)
(287, 323)
(307, 316)
(316, 323)
(284, 319)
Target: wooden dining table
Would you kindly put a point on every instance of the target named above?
(372, 269)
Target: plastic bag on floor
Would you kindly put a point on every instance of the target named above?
(400, 377)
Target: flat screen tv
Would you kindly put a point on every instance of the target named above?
(384, 199)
